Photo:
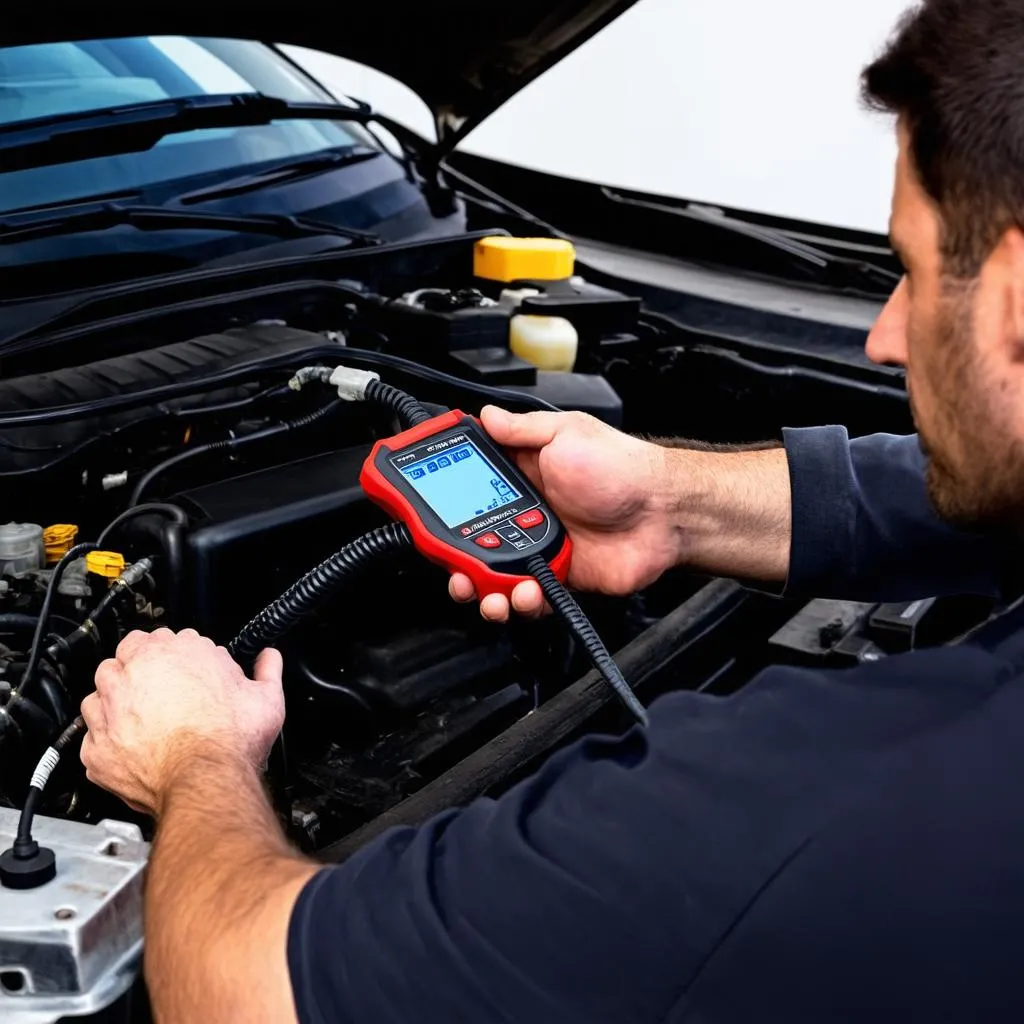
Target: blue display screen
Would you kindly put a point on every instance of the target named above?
(460, 484)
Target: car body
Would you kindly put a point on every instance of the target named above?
(177, 242)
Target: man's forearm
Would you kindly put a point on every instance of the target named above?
(221, 885)
(732, 511)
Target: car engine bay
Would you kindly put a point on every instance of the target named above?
(169, 431)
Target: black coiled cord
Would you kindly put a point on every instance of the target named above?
(579, 625)
(409, 412)
(318, 584)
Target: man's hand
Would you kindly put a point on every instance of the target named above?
(635, 509)
(165, 699)
(608, 489)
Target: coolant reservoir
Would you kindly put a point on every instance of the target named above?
(548, 342)
(21, 548)
(499, 258)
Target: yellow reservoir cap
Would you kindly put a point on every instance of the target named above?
(108, 564)
(58, 540)
(524, 259)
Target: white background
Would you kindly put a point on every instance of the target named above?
(752, 104)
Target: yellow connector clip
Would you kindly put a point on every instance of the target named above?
(58, 541)
(498, 258)
(108, 564)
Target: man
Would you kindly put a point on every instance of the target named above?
(824, 846)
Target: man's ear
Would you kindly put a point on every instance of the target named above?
(1009, 261)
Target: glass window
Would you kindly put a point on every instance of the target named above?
(64, 78)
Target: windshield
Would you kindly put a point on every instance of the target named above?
(63, 78)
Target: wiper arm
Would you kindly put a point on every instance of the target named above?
(157, 218)
(281, 173)
(837, 270)
(136, 127)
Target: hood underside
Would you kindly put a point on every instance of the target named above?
(463, 58)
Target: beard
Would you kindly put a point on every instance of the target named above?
(975, 472)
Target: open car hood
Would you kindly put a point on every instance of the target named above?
(462, 58)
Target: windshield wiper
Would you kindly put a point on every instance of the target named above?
(832, 269)
(136, 127)
(159, 218)
(281, 173)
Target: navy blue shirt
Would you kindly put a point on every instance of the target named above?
(824, 846)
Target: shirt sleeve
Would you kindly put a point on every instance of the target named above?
(864, 527)
(595, 891)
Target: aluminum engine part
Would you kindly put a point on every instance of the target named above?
(74, 945)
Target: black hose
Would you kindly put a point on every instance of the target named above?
(410, 412)
(579, 625)
(228, 444)
(246, 371)
(174, 547)
(154, 507)
(51, 697)
(28, 814)
(190, 453)
(54, 699)
(68, 453)
(16, 620)
(36, 650)
(35, 792)
(316, 586)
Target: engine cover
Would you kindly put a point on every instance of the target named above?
(257, 534)
(72, 946)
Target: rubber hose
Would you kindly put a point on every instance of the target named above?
(28, 814)
(35, 794)
(579, 625)
(410, 413)
(11, 621)
(236, 374)
(174, 545)
(14, 621)
(315, 587)
(228, 444)
(35, 652)
(156, 507)
(51, 698)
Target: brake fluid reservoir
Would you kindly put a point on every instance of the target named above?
(21, 548)
(548, 342)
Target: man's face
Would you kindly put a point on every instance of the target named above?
(963, 348)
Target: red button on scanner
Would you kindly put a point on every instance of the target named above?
(489, 540)
(527, 519)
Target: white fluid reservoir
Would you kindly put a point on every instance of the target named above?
(549, 342)
(21, 548)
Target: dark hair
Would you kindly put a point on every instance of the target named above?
(954, 72)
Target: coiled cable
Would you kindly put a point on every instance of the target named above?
(579, 625)
(318, 584)
(410, 413)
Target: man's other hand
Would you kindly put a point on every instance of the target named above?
(610, 491)
(166, 698)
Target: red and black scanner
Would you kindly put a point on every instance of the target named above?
(467, 506)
